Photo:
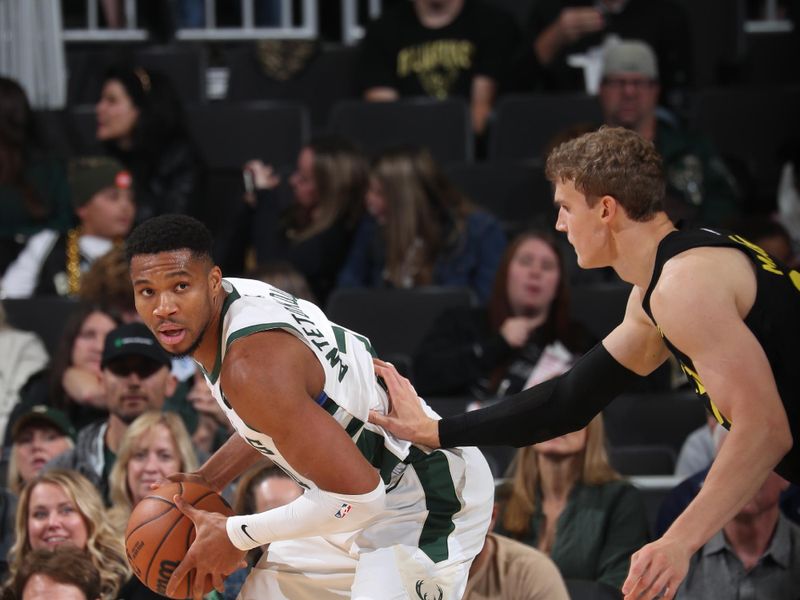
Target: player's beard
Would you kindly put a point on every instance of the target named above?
(190, 350)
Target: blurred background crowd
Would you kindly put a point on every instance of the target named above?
(383, 159)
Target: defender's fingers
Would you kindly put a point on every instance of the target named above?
(180, 572)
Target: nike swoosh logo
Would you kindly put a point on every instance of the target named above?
(244, 530)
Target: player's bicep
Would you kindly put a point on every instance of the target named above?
(703, 322)
(271, 388)
(635, 343)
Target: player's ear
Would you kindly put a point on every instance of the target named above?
(215, 278)
(609, 207)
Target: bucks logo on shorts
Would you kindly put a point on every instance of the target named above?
(429, 591)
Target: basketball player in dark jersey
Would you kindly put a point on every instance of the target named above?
(728, 311)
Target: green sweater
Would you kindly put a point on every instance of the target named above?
(599, 529)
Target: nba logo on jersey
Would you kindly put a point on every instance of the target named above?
(343, 510)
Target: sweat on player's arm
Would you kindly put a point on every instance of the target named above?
(271, 385)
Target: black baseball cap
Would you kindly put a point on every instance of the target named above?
(41, 413)
(133, 339)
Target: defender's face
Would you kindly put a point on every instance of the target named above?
(583, 225)
(173, 292)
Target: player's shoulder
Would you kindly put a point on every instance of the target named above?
(697, 269)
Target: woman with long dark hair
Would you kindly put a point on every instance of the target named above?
(141, 122)
(34, 194)
(499, 349)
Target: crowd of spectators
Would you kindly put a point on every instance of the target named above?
(89, 427)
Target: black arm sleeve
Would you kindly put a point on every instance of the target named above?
(552, 408)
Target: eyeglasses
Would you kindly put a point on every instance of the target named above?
(143, 368)
(620, 83)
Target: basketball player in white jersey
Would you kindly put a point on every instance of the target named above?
(380, 518)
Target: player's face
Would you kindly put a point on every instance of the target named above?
(35, 445)
(87, 349)
(533, 277)
(53, 519)
(154, 457)
(174, 294)
(584, 225)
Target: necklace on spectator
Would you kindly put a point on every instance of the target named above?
(73, 261)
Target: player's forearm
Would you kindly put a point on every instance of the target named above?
(316, 512)
(556, 407)
(745, 460)
(229, 462)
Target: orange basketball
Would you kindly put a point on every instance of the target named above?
(159, 535)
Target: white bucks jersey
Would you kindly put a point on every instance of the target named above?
(351, 388)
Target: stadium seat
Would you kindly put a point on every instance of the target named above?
(653, 419)
(755, 141)
(395, 321)
(599, 307)
(516, 193)
(184, 65)
(650, 459)
(327, 78)
(228, 135)
(443, 126)
(525, 124)
(81, 127)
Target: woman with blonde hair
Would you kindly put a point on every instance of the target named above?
(60, 506)
(568, 502)
(155, 445)
(420, 230)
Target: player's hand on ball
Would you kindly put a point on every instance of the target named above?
(176, 477)
(211, 555)
(657, 570)
(406, 418)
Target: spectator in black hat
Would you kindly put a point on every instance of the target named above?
(52, 262)
(136, 378)
(39, 433)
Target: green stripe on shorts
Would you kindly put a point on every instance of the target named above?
(442, 504)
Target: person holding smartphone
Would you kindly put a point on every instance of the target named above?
(312, 232)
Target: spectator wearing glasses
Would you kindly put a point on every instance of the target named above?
(700, 187)
(136, 377)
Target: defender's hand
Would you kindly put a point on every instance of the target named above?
(406, 419)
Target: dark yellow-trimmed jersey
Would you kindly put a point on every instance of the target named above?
(774, 320)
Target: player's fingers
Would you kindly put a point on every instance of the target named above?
(660, 588)
(199, 586)
(186, 508)
(638, 566)
(379, 419)
(179, 573)
(218, 582)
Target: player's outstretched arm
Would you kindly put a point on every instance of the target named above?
(699, 306)
(552, 408)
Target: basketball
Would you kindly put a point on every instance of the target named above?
(159, 534)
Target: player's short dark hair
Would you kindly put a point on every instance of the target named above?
(166, 233)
